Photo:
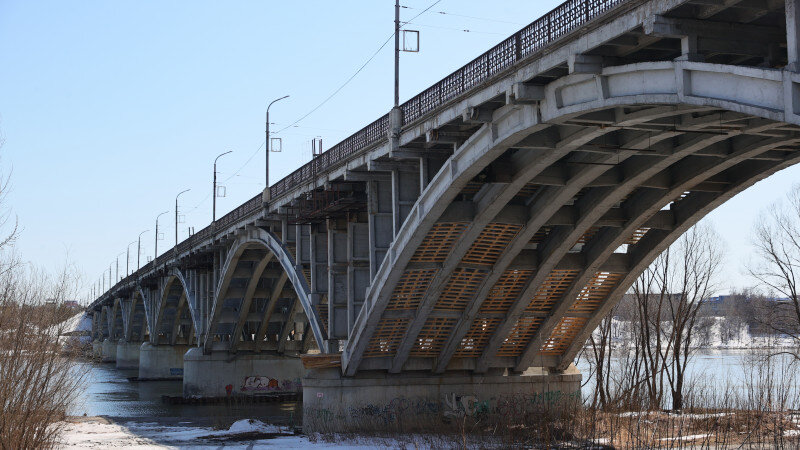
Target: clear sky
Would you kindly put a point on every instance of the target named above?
(110, 108)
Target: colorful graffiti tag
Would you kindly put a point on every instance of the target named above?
(267, 384)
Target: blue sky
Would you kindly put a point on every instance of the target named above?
(110, 108)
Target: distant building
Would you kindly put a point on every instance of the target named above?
(72, 304)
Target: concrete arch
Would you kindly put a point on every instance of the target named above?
(175, 315)
(637, 106)
(261, 248)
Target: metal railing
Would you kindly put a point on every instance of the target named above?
(522, 45)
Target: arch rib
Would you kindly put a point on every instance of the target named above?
(688, 212)
(604, 244)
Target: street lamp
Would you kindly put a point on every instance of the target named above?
(128, 259)
(139, 249)
(266, 171)
(214, 193)
(156, 253)
(176, 214)
(117, 279)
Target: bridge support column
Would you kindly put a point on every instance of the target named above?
(426, 402)
(97, 348)
(128, 355)
(221, 374)
(109, 350)
(161, 362)
(793, 34)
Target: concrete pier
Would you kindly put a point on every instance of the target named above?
(161, 362)
(422, 401)
(128, 355)
(223, 374)
(97, 349)
(109, 351)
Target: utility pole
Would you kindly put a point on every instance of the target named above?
(156, 250)
(139, 249)
(176, 215)
(396, 53)
(110, 284)
(214, 193)
(266, 170)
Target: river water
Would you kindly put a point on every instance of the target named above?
(109, 393)
(138, 405)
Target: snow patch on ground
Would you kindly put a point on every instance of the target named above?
(100, 433)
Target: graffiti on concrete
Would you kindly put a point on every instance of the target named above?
(458, 406)
(267, 384)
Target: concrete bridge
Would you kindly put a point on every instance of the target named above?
(459, 250)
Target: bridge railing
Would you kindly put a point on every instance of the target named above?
(522, 45)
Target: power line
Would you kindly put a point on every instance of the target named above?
(356, 73)
(465, 30)
(294, 124)
(486, 19)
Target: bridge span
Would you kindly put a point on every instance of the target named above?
(461, 248)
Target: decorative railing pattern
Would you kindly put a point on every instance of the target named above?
(522, 45)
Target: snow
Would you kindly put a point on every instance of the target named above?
(687, 438)
(100, 433)
(250, 426)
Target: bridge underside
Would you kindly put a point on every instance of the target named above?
(511, 261)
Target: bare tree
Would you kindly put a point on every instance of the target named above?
(39, 380)
(777, 243)
(669, 296)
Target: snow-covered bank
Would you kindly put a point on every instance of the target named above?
(720, 333)
(101, 433)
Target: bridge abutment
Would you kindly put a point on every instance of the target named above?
(97, 349)
(161, 362)
(108, 350)
(221, 374)
(128, 355)
(424, 401)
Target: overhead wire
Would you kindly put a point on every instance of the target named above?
(328, 98)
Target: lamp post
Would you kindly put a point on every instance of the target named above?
(176, 214)
(214, 192)
(266, 171)
(128, 259)
(117, 278)
(139, 249)
(156, 250)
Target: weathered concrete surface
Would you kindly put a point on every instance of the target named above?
(161, 362)
(221, 374)
(128, 355)
(97, 349)
(109, 351)
(423, 401)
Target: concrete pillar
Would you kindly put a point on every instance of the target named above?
(428, 402)
(220, 375)
(109, 350)
(161, 362)
(793, 34)
(97, 348)
(128, 355)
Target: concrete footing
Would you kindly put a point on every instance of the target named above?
(223, 374)
(161, 362)
(109, 351)
(128, 355)
(428, 402)
(97, 349)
